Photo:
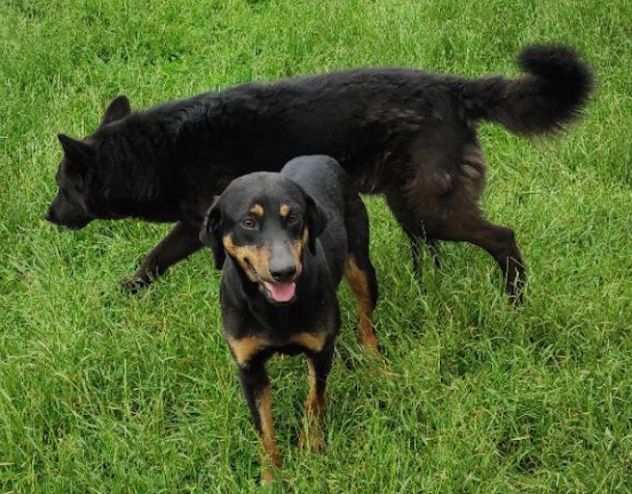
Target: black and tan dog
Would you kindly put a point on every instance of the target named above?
(281, 240)
(407, 134)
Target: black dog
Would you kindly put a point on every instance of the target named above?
(281, 239)
(404, 133)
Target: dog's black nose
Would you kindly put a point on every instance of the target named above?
(284, 274)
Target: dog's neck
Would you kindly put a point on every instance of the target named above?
(166, 166)
(151, 187)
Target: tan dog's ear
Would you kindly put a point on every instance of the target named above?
(211, 233)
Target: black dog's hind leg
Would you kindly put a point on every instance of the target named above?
(319, 365)
(359, 271)
(414, 230)
(435, 251)
(258, 393)
(500, 243)
(416, 253)
(464, 223)
(180, 243)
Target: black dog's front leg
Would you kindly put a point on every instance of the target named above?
(318, 364)
(179, 244)
(258, 394)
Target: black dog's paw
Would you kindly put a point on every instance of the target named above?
(134, 285)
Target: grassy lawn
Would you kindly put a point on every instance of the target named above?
(101, 392)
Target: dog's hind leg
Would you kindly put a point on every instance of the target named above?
(435, 251)
(414, 230)
(416, 251)
(453, 212)
(359, 271)
(180, 243)
(499, 242)
(456, 216)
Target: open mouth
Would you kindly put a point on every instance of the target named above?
(275, 291)
(280, 293)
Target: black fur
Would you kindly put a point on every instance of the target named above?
(556, 88)
(404, 133)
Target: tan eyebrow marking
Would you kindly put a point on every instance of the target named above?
(257, 210)
(285, 210)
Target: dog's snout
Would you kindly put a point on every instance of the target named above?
(283, 264)
(285, 273)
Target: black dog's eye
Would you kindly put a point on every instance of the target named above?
(249, 223)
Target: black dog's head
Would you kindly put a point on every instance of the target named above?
(73, 207)
(264, 221)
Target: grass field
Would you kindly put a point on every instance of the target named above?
(101, 392)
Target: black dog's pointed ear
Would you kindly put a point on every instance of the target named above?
(211, 233)
(118, 108)
(315, 222)
(77, 152)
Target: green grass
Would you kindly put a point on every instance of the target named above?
(105, 393)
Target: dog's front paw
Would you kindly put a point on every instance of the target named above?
(134, 285)
(312, 439)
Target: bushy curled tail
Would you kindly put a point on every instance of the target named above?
(553, 91)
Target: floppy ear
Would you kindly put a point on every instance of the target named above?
(78, 153)
(315, 221)
(117, 109)
(211, 233)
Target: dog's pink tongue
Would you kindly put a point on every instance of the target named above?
(281, 292)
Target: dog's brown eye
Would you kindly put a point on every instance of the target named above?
(249, 223)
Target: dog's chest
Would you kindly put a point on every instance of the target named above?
(247, 347)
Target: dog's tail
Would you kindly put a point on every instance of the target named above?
(553, 91)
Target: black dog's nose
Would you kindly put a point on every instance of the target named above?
(284, 274)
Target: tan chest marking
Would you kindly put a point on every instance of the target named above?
(312, 341)
(245, 348)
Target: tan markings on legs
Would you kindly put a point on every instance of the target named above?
(313, 438)
(253, 259)
(245, 348)
(284, 210)
(271, 458)
(311, 341)
(360, 287)
(257, 210)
